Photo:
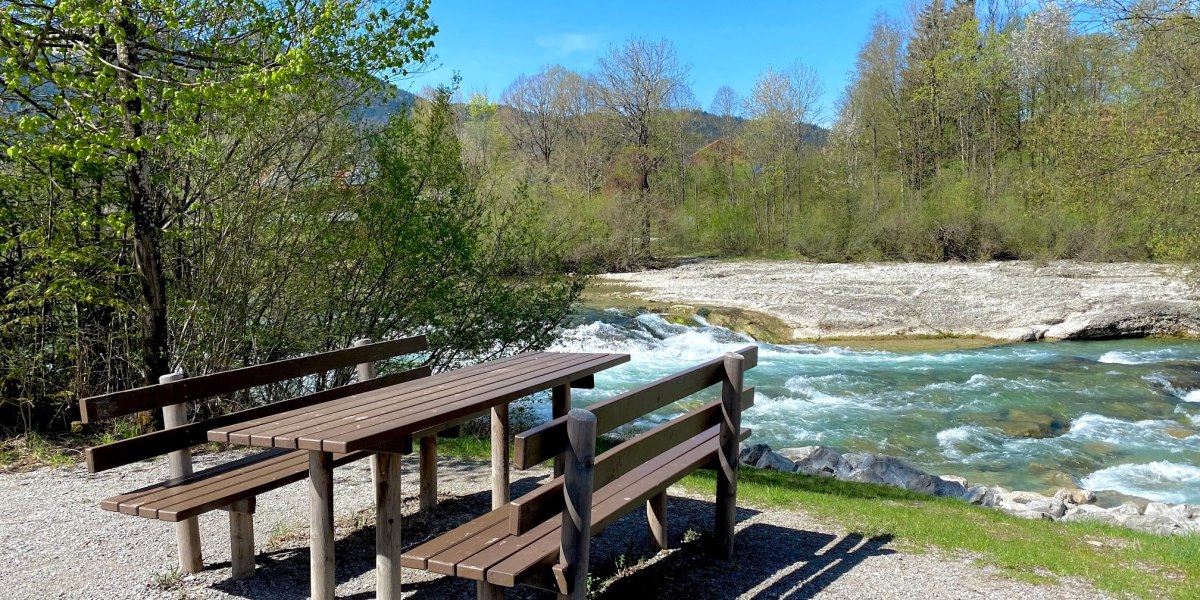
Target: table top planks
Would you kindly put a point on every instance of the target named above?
(371, 419)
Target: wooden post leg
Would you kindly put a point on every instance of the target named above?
(656, 515)
(241, 537)
(560, 405)
(428, 468)
(387, 527)
(489, 591)
(320, 498)
(727, 455)
(499, 456)
(577, 507)
(187, 531)
(366, 372)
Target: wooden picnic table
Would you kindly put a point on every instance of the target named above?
(385, 421)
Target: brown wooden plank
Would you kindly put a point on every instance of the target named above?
(308, 428)
(123, 452)
(241, 433)
(236, 431)
(290, 432)
(107, 406)
(216, 473)
(418, 557)
(549, 439)
(386, 414)
(423, 417)
(635, 488)
(547, 500)
(146, 505)
(477, 566)
(199, 505)
(180, 498)
(446, 562)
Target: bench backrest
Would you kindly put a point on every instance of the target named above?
(549, 439)
(107, 406)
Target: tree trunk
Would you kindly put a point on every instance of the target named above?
(145, 212)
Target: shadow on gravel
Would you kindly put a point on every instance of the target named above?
(771, 562)
(284, 574)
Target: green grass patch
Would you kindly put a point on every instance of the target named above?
(1116, 560)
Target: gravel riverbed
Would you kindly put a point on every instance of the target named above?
(1011, 301)
(56, 542)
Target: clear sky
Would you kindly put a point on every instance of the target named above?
(730, 42)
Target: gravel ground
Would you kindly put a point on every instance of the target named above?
(56, 542)
(1015, 301)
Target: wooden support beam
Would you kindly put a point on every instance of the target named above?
(560, 405)
(320, 542)
(656, 516)
(727, 455)
(388, 502)
(428, 471)
(241, 538)
(500, 495)
(488, 591)
(577, 498)
(187, 531)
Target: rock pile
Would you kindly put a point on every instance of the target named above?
(1066, 505)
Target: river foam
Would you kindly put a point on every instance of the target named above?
(1158, 480)
(1025, 416)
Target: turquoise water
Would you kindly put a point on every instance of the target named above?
(1118, 415)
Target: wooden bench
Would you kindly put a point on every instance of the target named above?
(541, 539)
(232, 486)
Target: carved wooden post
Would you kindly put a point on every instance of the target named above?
(560, 405)
(499, 456)
(320, 541)
(387, 527)
(727, 455)
(577, 507)
(187, 531)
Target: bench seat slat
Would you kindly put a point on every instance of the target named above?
(480, 546)
(634, 491)
(182, 498)
(417, 558)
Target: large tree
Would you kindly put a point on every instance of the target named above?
(119, 90)
(637, 82)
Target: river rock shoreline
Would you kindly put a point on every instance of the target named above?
(1067, 505)
(1006, 301)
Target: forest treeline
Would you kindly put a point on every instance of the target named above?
(968, 131)
(208, 184)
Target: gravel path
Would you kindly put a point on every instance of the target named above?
(1000, 300)
(55, 542)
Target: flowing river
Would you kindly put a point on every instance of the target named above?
(1114, 415)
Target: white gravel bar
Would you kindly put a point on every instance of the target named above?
(1011, 301)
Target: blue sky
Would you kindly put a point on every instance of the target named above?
(490, 43)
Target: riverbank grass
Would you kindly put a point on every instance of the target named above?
(1116, 560)
(1119, 561)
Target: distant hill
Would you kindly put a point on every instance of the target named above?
(706, 124)
(709, 127)
(378, 107)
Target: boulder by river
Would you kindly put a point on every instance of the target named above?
(1010, 301)
(1069, 505)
